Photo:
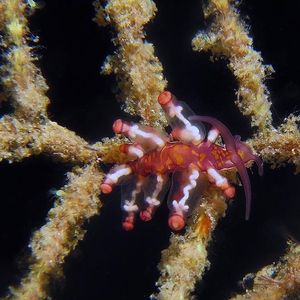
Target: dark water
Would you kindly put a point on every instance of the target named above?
(111, 263)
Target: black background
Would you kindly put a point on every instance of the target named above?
(111, 263)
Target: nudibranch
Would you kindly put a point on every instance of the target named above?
(186, 154)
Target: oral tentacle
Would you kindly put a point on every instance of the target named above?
(242, 170)
(224, 131)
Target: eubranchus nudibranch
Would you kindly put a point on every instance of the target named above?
(186, 153)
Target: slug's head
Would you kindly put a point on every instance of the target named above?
(246, 154)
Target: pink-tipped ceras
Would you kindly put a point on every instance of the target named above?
(186, 153)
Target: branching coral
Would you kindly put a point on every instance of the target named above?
(138, 70)
(281, 145)
(185, 260)
(29, 131)
(228, 37)
(277, 281)
(77, 202)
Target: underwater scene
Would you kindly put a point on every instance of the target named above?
(150, 149)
